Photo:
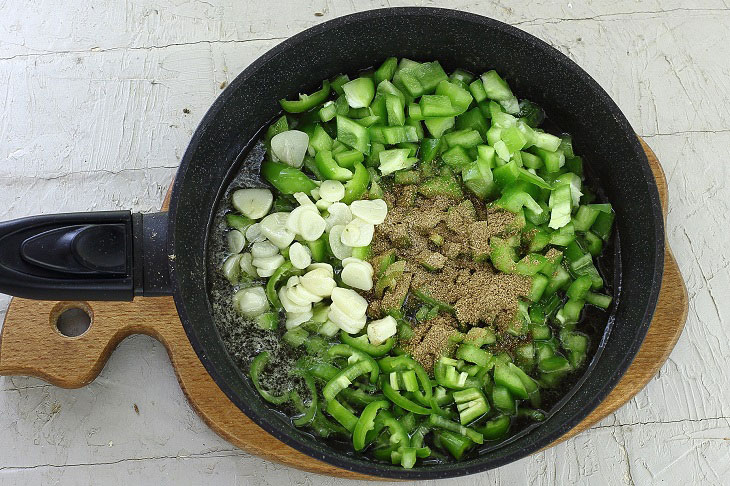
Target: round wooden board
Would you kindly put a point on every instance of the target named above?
(30, 345)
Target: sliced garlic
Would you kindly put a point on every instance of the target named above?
(290, 147)
(325, 266)
(373, 211)
(347, 261)
(267, 263)
(299, 255)
(274, 228)
(232, 268)
(296, 319)
(251, 302)
(311, 226)
(318, 282)
(236, 241)
(292, 223)
(299, 293)
(253, 233)
(262, 249)
(339, 249)
(332, 191)
(247, 265)
(382, 329)
(297, 298)
(358, 232)
(350, 301)
(323, 205)
(253, 203)
(290, 306)
(293, 280)
(303, 199)
(339, 214)
(357, 275)
(265, 272)
(344, 321)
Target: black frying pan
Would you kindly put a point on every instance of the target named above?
(117, 255)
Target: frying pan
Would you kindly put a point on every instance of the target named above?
(119, 255)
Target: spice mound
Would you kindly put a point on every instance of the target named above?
(440, 249)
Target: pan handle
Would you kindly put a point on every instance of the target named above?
(112, 255)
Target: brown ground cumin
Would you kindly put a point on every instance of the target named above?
(446, 247)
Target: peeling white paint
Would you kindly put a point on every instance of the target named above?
(91, 118)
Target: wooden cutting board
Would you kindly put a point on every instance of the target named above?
(31, 345)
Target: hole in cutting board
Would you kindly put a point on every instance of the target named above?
(73, 322)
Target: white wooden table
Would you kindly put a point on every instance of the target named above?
(92, 100)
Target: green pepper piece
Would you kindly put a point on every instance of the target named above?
(257, 366)
(354, 355)
(386, 70)
(496, 428)
(365, 346)
(345, 377)
(599, 300)
(366, 423)
(280, 125)
(286, 179)
(455, 444)
(504, 376)
(329, 168)
(473, 354)
(427, 299)
(404, 363)
(429, 149)
(282, 273)
(342, 415)
(503, 401)
(471, 404)
(446, 375)
(357, 185)
(305, 101)
(353, 134)
(309, 411)
(239, 221)
(406, 403)
(437, 421)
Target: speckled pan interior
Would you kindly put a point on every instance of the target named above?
(535, 71)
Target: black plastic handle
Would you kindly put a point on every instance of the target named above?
(112, 255)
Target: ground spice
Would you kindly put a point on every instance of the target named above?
(446, 246)
(431, 340)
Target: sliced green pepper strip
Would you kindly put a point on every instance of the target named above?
(404, 363)
(285, 271)
(366, 423)
(257, 366)
(398, 434)
(324, 427)
(307, 102)
(437, 421)
(427, 299)
(403, 402)
(307, 411)
(342, 415)
(365, 346)
(353, 356)
(286, 179)
(357, 185)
